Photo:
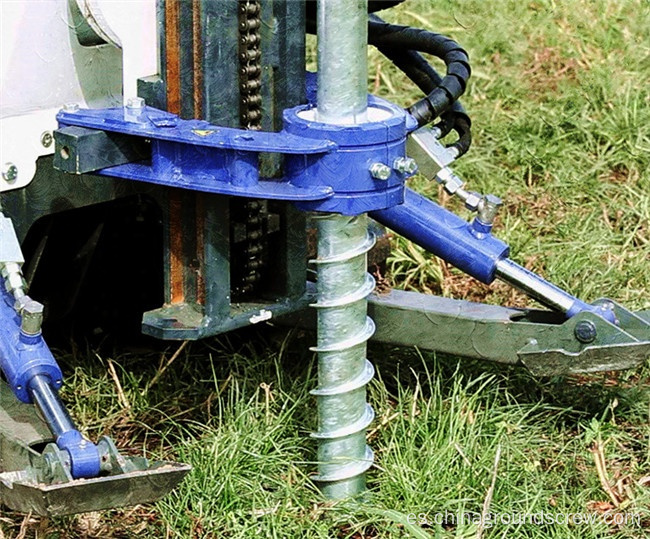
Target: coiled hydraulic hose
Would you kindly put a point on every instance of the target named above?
(386, 36)
(425, 77)
(400, 44)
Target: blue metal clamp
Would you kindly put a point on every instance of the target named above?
(327, 166)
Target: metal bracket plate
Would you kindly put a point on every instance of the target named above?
(21, 471)
(543, 341)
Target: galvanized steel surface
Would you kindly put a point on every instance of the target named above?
(343, 370)
(342, 61)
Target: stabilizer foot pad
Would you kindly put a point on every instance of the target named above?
(19, 492)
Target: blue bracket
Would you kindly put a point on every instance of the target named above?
(327, 167)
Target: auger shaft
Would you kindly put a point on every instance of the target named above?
(343, 282)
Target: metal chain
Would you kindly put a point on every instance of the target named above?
(250, 55)
(250, 107)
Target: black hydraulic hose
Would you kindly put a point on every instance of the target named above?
(442, 92)
(426, 78)
(414, 66)
(386, 36)
(462, 126)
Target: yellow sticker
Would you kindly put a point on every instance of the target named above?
(202, 132)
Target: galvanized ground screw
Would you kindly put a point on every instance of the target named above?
(343, 282)
(343, 370)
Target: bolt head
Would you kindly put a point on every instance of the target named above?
(379, 171)
(32, 307)
(47, 139)
(135, 103)
(71, 107)
(585, 331)
(9, 172)
(405, 165)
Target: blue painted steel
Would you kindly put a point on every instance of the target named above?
(85, 461)
(465, 246)
(327, 166)
(196, 155)
(23, 356)
(148, 122)
(347, 170)
(445, 235)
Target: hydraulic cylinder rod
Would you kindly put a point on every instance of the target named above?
(482, 256)
(343, 283)
(48, 402)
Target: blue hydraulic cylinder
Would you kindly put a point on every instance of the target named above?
(475, 251)
(34, 376)
(444, 234)
(23, 356)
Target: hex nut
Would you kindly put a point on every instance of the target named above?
(449, 180)
(20, 303)
(380, 171)
(8, 268)
(71, 107)
(472, 201)
(493, 200)
(405, 165)
(135, 103)
(32, 317)
(14, 281)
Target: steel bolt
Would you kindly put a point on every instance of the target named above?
(9, 172)
(46, 139)
(135, 103)
(405, 165)
(379, 171)
(71, 107)
(585, 331)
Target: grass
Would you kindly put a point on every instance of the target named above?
(561, 112)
